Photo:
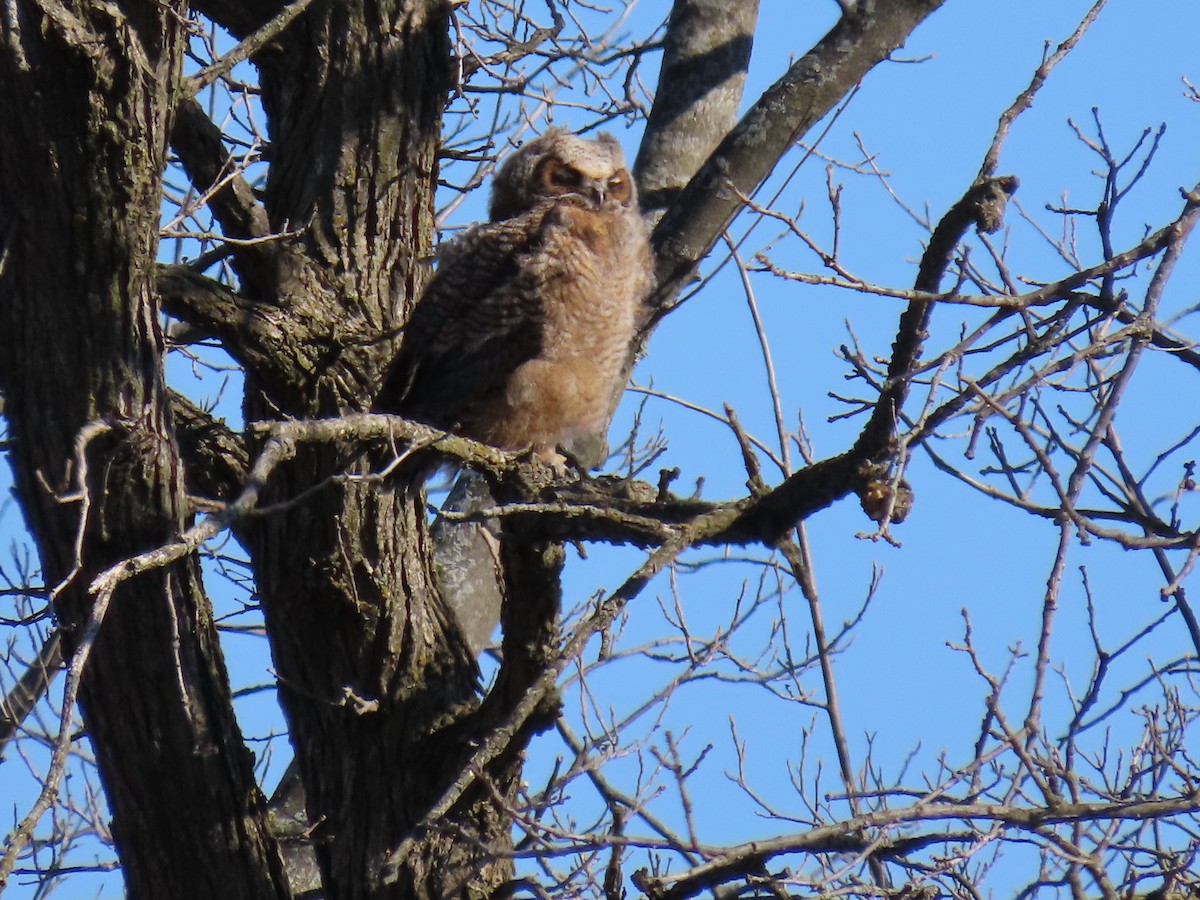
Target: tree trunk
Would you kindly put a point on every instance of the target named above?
(379, 686)
(85, 96)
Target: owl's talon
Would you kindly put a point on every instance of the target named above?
(558, 464)
(573, 465)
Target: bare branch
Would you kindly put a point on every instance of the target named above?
(247, 47)
(812, 86)
(1024, 100)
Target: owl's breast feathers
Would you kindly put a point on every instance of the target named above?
(521, 336)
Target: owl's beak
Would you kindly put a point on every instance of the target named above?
(594, 192)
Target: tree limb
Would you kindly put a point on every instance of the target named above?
(982, 206)
(215, 458)
(249, 46)
(30, 688)
(239, 17)
(214, 172)
(728, 863)
(706, 52)
(864, 36)
(287, 347)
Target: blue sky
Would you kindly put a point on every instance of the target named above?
(928, 124)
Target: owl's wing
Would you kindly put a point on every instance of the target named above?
(479, 318)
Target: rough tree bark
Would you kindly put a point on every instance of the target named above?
(377, 683)
(85, 95)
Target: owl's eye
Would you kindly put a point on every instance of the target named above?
(560, 178)
(619, 187)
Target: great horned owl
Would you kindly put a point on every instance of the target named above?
(521, 337)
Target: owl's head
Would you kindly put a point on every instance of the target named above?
(559, 164)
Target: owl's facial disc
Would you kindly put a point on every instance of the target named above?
(561, 179)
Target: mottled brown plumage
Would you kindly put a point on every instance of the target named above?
(521, 337)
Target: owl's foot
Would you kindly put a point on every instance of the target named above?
(555, 460)
(572, 465)
(563, 465)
